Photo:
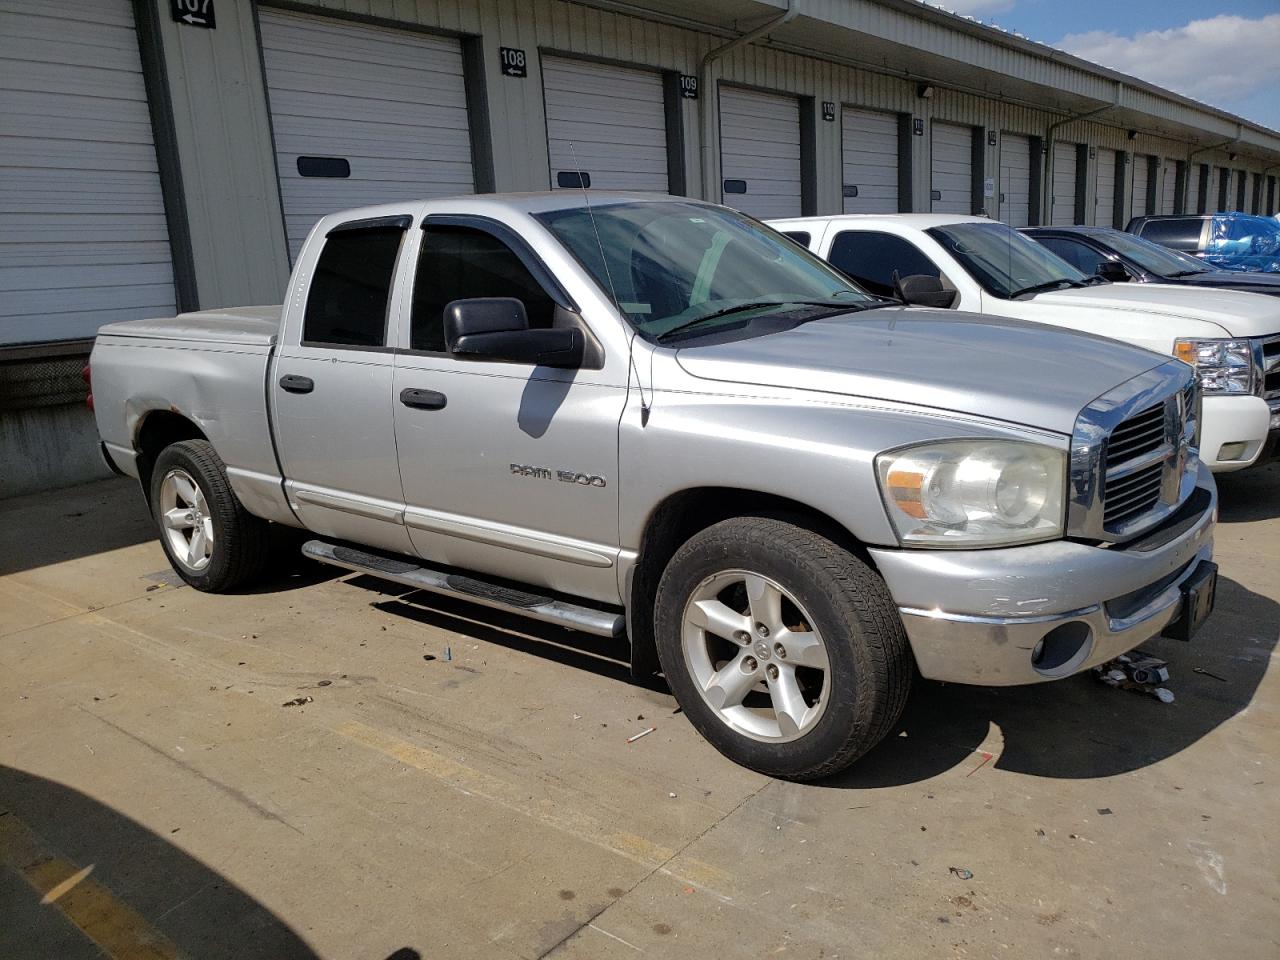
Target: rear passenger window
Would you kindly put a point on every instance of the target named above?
(458, 263)
(870, 258)
(1177, 233)
(347, 300)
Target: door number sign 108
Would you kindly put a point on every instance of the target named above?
(514, 63)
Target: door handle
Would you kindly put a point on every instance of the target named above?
(423, 399)
(296, 384)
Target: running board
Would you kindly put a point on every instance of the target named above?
(587, 619)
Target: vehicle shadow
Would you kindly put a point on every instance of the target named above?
(1080, 728)
(1250, 495)
(45, 528)
(70, 855)
(1072, 729)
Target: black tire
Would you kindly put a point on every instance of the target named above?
(871, 666)
(241, 540)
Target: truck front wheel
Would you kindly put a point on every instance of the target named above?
(785, 650)
(212, 542)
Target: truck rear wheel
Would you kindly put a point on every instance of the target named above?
(785, 650)
(212, 542)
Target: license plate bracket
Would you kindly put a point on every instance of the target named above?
(1199, 592)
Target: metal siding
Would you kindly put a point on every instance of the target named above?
(760, 143)
(1015, 179)
(390, 102)
(952, 168)
(85, 239)
(1140, 174)
(1169, 184)
(1193, 187)
(869, 160)
(612, 118)
(1063, 209)
(1104, 195)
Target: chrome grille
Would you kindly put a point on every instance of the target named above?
(1271, 368)
(1138, 435)
(1133, 461)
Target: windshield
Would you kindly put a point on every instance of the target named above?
(1151, 256)
(1005, 262)
(670, 265)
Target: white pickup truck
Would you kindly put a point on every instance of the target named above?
(986, 267)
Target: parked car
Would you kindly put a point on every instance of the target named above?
(657, 418)
(1232, 338)
(1119, 256)
(1228, 241)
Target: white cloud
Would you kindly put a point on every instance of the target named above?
(1217, 60)
(973, 8)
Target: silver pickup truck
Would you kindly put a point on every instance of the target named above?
(657, 418)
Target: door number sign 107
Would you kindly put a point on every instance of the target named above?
(194, 13)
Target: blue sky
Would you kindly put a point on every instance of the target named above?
(1224, 52)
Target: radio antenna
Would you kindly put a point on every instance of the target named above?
(613, 291)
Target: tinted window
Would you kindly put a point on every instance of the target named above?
(458, 263)
(799, 236)
(1005, 262)
(347, 301)
(1177, 233)
(870, 259)
(1081, 256)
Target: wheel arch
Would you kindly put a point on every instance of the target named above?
(686, 513)
(155, 431)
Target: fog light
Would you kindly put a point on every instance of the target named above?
(1062, 649)
(1232, 451)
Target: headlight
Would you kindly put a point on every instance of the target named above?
(974, 493)
(1222, 366)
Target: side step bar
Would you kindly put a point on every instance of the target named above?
(587, 619)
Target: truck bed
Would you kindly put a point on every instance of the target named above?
(258, 326)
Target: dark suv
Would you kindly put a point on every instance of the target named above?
(1228, 241)
(1143, 261)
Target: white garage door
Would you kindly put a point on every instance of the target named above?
(1063, 212)
(1104, 191)
(869, 145)
(1141, 176)
(1193, 188)
(612, 118)
(760, 152)
(83, 235)
(952, 169)
(1015, 179)
(1169, 190)
(374, 115)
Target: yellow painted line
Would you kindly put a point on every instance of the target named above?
(576, 823)
(113, 925)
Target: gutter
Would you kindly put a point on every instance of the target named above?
(710, 140)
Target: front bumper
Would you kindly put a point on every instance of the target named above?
(1233, 431)
(976, 616)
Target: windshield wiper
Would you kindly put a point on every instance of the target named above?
(742, 307)
(1047, 285)
(1186, 273)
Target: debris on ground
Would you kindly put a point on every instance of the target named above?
(324, 683)
(297, 702)
(1207, 673)
(448, 653)
(961, 872)
(1104, 811)
(428, 657)
(1137, 671)
(986, 758)
(671, 796)
(642, 733)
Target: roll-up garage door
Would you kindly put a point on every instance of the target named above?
(1104, 190)
(1193, 188)
(84, 238)
(362, 115)
(869, 147)
(612, 118)
(952, 169)
(1015, 180)
(760, 152)
(1141, 175)
(1169, 185)
(1063, 211)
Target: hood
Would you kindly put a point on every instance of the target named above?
(1268, 283)
(242, 325)
(1238, 313)
(1007, 370)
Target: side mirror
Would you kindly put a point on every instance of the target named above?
(1113, 272)
(925, 291)
(497, 329)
